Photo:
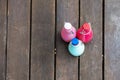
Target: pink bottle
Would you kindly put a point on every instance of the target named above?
(68, 32)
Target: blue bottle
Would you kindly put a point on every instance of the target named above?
(76, 47)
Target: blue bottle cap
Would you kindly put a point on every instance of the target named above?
(75, 41)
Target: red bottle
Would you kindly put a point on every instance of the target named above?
(85, 33)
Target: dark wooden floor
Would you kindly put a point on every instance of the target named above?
(31, 47)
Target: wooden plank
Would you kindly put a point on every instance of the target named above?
(91, 61)
(42, 49)
(3, 22)
(18, 40)
(112, 39)
(66, 65)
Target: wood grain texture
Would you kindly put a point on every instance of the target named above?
(3, 23)
(66, 65)
(42, 49)
(18, 40)
(91, 60)
(112, 39)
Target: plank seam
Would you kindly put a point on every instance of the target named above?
(103, 7)
(55, 40)
(6, 39)
(30, 39)
(78, 27)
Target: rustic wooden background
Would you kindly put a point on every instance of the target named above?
(31, 47)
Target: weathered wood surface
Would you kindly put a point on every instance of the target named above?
(112, 39)
(66, 65)
(42, 42)
(31, 49)
(18, 40)
(91, 60)
(3, 24)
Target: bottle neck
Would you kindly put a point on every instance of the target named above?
(86, 29)
(68, 30)
(68, 27)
